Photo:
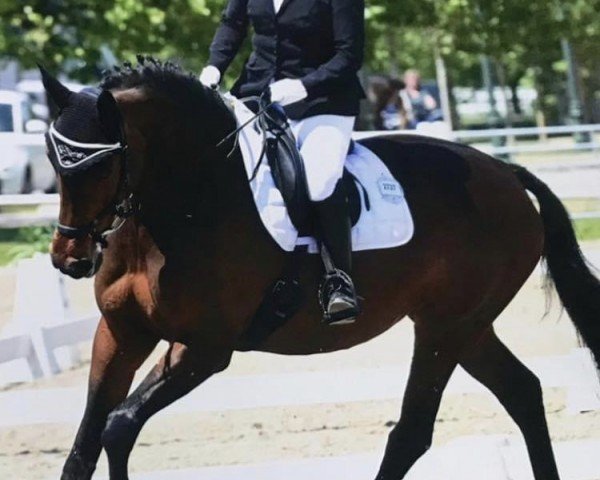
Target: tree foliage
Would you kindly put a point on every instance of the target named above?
(78, 36)
(523, 37)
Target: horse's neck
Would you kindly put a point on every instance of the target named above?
(199, 191)
(213, 244)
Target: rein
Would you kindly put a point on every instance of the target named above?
(121, 209)
(267, 123)
(262, 110)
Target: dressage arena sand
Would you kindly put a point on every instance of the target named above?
(181, 441)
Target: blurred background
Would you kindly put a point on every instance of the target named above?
(517, 79)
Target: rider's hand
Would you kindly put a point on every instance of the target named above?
(210, 76)
(287, 91)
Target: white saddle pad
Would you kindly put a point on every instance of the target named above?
(387, 224)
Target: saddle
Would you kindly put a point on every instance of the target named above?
(284, 298)
(289, 174)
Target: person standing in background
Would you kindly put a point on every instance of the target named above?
(420, 106)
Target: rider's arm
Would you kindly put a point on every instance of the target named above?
(349, 38)
(230, 34)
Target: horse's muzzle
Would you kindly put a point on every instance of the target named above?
(78, 268)
(75, 257)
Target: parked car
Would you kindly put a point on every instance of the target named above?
(24, 167)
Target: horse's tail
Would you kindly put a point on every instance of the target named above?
(577, 287)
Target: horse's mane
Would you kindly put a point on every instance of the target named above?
(186, 143)
(168, 79)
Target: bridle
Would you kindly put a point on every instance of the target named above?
(124, 204)
(69, 159)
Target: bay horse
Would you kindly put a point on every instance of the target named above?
(191, 261)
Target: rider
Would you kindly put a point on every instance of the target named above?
(307, 54)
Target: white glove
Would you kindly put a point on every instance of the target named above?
(287, 91)
(210, 76)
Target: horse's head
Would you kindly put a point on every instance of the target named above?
(86, 147)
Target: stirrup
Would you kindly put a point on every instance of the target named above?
(338, 299)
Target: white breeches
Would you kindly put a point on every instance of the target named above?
(323, 141)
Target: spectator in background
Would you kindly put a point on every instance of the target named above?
(393, 114)
(387, 107)
(420, 106)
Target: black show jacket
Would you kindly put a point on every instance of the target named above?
(320, 42)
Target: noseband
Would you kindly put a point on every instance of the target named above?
(71, 156)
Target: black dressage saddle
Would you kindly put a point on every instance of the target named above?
(284, 298)
(289, 175)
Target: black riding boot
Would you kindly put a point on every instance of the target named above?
(337, 295)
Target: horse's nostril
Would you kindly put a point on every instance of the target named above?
(85, 265)
(79, 268)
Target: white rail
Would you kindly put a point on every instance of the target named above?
(526, 132)
(46, 212)
(27, 200)
(548, 148)
(471, 136)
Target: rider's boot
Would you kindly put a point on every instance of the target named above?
(337, 294)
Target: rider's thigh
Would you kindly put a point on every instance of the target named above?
(323, 142)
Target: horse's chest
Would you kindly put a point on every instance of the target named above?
(129, 296)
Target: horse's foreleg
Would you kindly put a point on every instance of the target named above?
(519, 391)
(411, 437)
(174, 376)
(117, 353)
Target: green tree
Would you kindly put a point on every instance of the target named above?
(75, 36)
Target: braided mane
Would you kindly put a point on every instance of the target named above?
(171, 81)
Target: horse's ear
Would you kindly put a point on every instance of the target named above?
(109, 114)
(56, 91)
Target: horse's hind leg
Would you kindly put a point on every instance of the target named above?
(519, 391)
(118, 352)
(430, 371)
(178, 373)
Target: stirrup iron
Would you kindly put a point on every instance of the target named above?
(337, 295)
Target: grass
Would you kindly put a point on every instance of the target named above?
(588, 229)
(17, 243)
(7, 252)
(582, 205)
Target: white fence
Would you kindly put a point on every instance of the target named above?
(510, 135)
(42, 332)
(33, 199)
(542, 133)
(40, 210)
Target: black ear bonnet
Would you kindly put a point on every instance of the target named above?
(80, 138)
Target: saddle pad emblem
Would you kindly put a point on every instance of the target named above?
(390, 190)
